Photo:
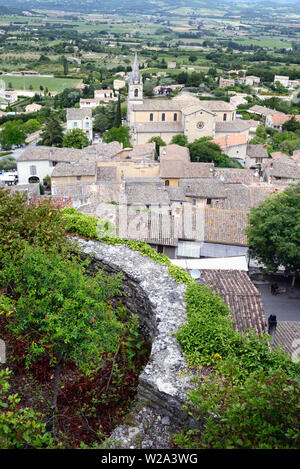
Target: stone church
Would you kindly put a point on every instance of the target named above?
(184, 114)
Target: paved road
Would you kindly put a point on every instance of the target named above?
(18, 152)
(286, 306)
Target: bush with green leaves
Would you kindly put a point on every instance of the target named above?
(60, 309)
(209, 338)
(260, 413)
(38, 224)
(20, 428)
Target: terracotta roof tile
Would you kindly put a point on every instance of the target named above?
(241, 296)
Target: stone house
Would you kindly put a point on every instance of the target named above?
(234, 146)
(256, 155)
(281, 169)
(276, 121)
(226, 82)
(36, 163)
(80, 119)
(34, 107)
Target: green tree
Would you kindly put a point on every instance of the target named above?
(120, 134)
(205, 151)
(291, 125)
(52, 134)
(12, 134)
(261, 132)
(274, 231)
(32, 125)
(180, 140)
(7, 163)
(159, 142)
(117, 120)
(101, 122)
(75, 138)
(65, 65)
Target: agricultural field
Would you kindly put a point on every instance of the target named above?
(33, 83)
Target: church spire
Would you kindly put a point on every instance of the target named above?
(135, 77)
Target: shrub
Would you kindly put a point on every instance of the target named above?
(20, 428)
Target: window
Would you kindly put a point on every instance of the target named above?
(194, 202)
(33, 170)
(136, 93)
(167, 182)
(75, 124)
(78, 178)
(175, 117)
(151, 117)
(163, 116)
(87, 125)
(224, 117)
(208, 201)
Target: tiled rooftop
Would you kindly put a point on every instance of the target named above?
(237, 125)
(286, 333)
(241, 296)
(78, 113)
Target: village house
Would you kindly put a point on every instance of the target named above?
(261, 111)
(80, 119)
(283, 80)
(100, 97)
(281, 169)
(237, 100)
(37, 163)
(276, 121)
(119, 84)
(256, 155)
(226, 82)
(234, 146)
(8, 96)
(34, 107)
(249, 80)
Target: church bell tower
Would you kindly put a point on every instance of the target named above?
(135, 84)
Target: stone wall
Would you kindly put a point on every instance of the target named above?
(159, 302)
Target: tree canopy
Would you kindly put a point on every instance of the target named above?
(52, 134)
(75, 138)
(12, 134)
(118, 134)
(205, 151)
(274, 231)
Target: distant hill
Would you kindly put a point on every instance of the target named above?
(243, 7)
(7, 10)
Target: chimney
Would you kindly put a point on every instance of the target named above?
(272, 323)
